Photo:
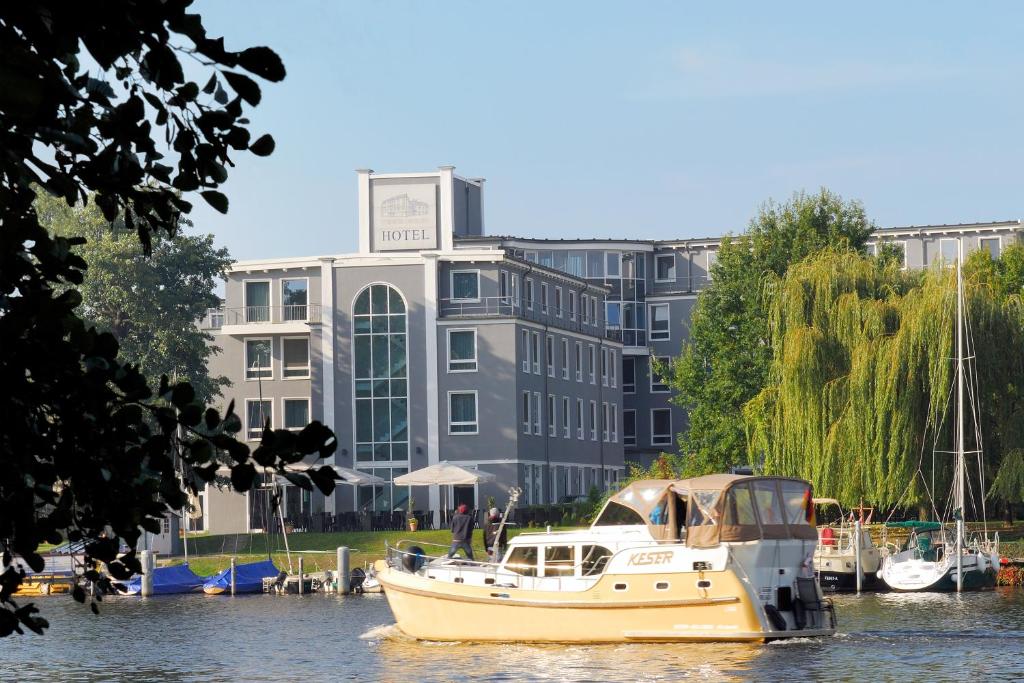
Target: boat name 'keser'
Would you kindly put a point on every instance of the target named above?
(644, 559)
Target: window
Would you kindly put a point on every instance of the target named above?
(295, 299)
(628, 375)
(526, 351)
(295, 357)
(523, 560)
(659, 322)
(462, 412)
(380, 376)
(612, 369)
(583, 308)
(902, 247)
(257, 415)
(527, 409)
(661, 427)
(613, 423)
(559, 560)
(461, 350)
(604, 366)
(613, 263)
(579, 419)
(579, 361)
(552, 421)
(503, 290)
(593, 311)
(629, 427)
(530, 256)
(296, 413)
(659, 385)
(594, 559)
(529, 293)
(257, 359)
(549, 354)
(613, 314)
(604, 422)
(712, 260)
(465, 285)
(665, 268)
(566, 426)
(536, 413)
(595, 264)
(257, 301)
(535, 353)
(993, 245)
(617, 514)
(565, 358)
(558, 301)
(514, 292)
(871, 249)
(572, 305)
(948, 250)
(593, 420)
(544, 297)
(592, 363)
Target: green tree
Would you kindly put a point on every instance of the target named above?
(859, 387)
(150, 304)
(89, 446)
(725, 363)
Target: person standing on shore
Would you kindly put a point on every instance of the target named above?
(495, 546)
(462, 532)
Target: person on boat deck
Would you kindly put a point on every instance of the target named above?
(462, 532)
(490, 531)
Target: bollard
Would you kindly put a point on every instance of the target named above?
(148, 563)
(302, 575)
(856, 552)
(233, 562)
(549, 528)
(344, 577)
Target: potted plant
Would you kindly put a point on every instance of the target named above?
(414, 523)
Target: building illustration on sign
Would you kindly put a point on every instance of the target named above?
(402, 206)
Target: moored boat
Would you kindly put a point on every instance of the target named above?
(836, 556)
(715, 558)
(171, 580)
(248, 578)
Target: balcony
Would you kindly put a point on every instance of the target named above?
(507, 307)
(262, 319)
(679, 285)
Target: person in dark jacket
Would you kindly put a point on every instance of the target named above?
(490, 531)
(462, 532)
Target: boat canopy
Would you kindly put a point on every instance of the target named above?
(168, 580)
(716, 508)
(915, 525)
(248, 578)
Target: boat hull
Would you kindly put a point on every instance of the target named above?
(433, 610)
(846, 582)
(920, 576)
(973, 581)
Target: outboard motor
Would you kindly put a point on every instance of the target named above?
(414, 559)
(355, 580)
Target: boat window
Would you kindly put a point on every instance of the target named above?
(558, 560)
(739, 507)
(702, 505)
(617, 514)
(595, 558)
(659, 513)
(523, 560)
(766, 498)
(796, 497)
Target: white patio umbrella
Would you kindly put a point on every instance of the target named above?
(444, 473)
(357, 478)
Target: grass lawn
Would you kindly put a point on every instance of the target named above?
(210, 554)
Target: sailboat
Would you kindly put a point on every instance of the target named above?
(937, 555)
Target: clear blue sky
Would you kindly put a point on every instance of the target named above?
(638, 119)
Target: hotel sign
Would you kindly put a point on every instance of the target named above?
(404, 216)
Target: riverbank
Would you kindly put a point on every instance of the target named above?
(211, 554)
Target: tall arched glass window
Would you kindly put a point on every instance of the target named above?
(380, 375)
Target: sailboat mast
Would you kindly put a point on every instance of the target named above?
(960, 459)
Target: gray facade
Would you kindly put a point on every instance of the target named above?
(530, 359)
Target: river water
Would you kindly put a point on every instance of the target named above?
(892, 637)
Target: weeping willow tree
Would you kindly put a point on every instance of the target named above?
(858, 397)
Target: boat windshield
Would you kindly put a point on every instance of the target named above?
(617, 514)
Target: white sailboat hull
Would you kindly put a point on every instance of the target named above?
(907, 571)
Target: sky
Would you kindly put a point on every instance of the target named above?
(626, 119)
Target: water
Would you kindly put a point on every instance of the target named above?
(892, 637)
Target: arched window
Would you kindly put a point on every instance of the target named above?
(380, 375)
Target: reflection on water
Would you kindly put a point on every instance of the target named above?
(319, 637)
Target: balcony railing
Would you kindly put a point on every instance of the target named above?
(508, 307)
(676, 285)
(216, 318)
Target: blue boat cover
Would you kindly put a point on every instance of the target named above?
(248, 577)
(168, 580)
